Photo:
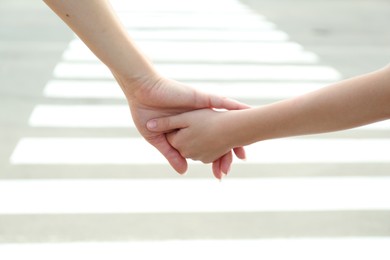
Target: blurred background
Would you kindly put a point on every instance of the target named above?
(76, 178)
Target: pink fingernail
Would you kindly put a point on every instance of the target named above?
(228, 170)
(151, 124)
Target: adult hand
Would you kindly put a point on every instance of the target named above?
(98, 26)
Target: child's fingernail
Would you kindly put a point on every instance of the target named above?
(228, 170)
(151, 124)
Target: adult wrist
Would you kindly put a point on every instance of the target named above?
(131, 84)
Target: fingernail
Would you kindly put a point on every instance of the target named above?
(228, 170)
(151, 124)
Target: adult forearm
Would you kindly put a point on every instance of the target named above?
(100, 29)
(347, 104)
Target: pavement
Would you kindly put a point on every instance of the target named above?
(348, 35)
(72, 185)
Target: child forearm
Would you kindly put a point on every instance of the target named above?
(347, 104)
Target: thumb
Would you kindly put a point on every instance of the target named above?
(166, 124)
(226, 103)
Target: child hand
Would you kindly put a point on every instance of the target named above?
(202, 135)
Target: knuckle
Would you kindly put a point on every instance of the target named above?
(165, 124)
(207, 161)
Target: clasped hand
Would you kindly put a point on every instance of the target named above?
(157, 97)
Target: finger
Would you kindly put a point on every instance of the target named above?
(178, 162)
(226, 103)
(166, 124)
(240, 152)
(226, 162)
(170, 138)
(217, 169)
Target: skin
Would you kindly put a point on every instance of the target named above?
(350, 103)
(149, 94)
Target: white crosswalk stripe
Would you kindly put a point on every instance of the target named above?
(116, 115)
(219, 47)
(242, 195)
(305, 249)
(121, 151)
(208, 52)
(210, 72)
(199, 35)
(240, 90)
